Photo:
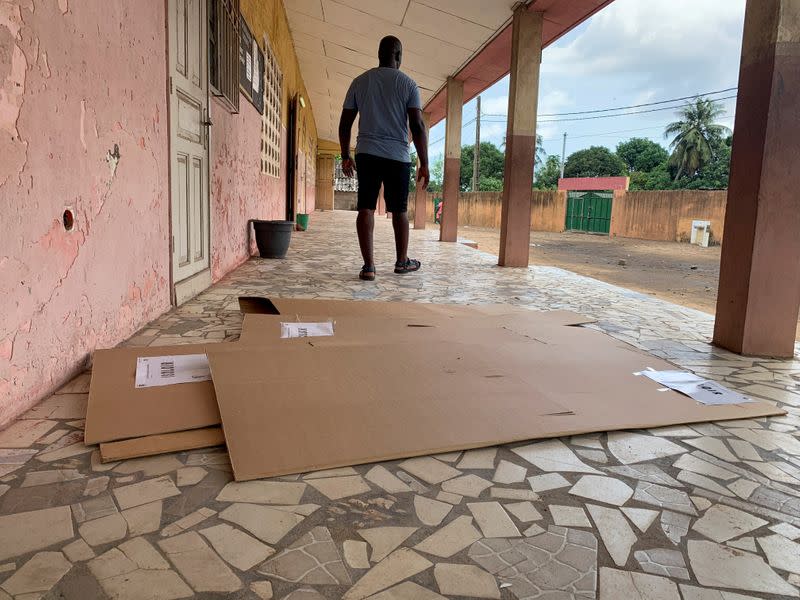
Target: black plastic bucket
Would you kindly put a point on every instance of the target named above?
(272, 237)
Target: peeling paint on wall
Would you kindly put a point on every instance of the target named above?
(78, 90)
(83, 125)
(13, 72)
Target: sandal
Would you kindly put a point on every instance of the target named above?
(409, 266)
(367, 273)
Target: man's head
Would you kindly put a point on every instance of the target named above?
(390, 52)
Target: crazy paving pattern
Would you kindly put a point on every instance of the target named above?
(699, 512)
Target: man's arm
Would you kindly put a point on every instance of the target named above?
(345, 130)
(420, 137)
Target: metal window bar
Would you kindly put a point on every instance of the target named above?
(223, 50)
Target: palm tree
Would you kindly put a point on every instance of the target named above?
(696, 135)
(539, 155)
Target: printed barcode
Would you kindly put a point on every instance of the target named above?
(167, 369)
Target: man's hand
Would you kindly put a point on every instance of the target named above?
(348, 167)
(423, 176)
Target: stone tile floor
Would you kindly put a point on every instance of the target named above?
(699, 512)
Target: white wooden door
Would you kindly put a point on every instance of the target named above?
(188, 91)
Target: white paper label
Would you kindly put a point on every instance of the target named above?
(702, 390)
(300, 330)
(153, 371)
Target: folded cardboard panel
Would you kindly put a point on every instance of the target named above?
(291, 307)
(461, 383)
(163, 443)
(453, 322)
(117, 410)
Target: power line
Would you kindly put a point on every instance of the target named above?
(604, 110)
(576, 137)
(622, 114)
(464, 126)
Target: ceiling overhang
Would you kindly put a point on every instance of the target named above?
(493, 61)
(337, 40)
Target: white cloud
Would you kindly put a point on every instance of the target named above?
(497, 105)
(655, 44)
(632, 52)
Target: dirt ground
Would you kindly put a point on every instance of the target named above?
(680, 273)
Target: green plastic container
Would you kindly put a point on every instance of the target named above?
(302, 222)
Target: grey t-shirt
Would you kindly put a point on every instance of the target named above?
(382, 97)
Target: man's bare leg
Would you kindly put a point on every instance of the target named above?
(365, 224)
(400, 225)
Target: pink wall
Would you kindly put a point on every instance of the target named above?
(239, 190)
(83, 124)
(78, 78)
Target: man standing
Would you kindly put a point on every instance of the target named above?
(389, 103)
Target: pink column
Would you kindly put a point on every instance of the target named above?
(421, 196)
(759, 285)
(448, 231)
(523, 94)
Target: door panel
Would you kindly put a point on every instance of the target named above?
(194, 43)
(179, 23)
(197, 211)
(190, 118)
(180, 230)
(188, 137)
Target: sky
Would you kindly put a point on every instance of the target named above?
(632, 52)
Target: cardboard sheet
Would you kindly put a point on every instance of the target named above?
(399, 365)
(161, 444)
(363, 308)
(400, 391)
(355, 404)
(117, 410)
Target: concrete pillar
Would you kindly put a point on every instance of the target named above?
(759, 284)
(448, 231)
(421, 195)
(523, 94)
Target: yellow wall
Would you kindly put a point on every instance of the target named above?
(268, 17)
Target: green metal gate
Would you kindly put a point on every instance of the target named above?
(589, 211)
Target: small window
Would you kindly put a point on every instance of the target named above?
(341, 183)
(223, 50)
(271, 117)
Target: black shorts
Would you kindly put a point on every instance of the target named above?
(393, 174)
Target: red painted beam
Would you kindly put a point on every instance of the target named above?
(493, 62)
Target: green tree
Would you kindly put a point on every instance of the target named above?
(597, 161)
(490, 184)
(695, 136)
(715, 174)
(641, 154)
(658, 178)
(412, 186)
(547, 176)
(492, 166)
(437, 175)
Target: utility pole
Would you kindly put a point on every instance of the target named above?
(476, 160)
(563, 154)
